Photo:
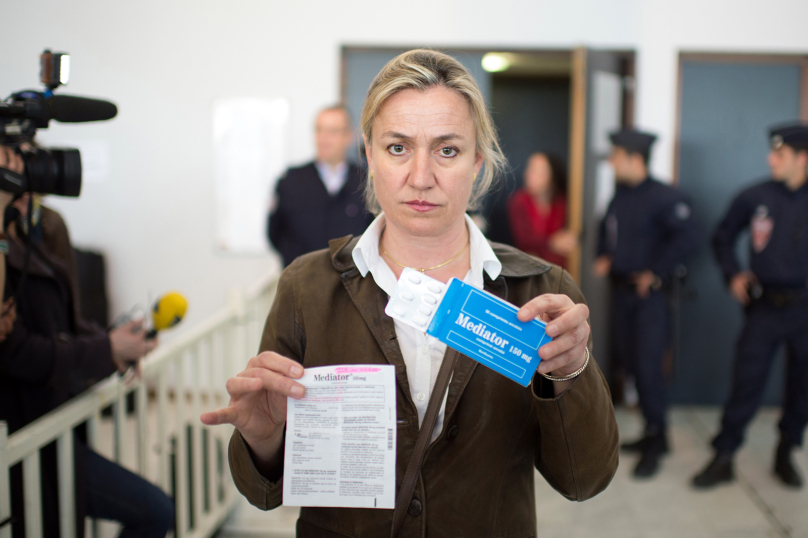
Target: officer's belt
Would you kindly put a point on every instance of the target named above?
(780, 296)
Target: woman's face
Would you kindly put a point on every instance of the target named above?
(423, 158)
(538, 175)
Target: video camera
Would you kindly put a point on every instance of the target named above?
(47, 170)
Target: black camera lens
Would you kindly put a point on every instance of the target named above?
(53, 171)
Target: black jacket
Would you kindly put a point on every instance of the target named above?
(306, 216)
(50, 356)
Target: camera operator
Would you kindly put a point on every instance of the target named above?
(50, 355)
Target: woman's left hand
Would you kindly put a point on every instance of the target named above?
(567, 324)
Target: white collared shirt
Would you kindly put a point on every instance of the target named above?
(423, 355)
(333, 177)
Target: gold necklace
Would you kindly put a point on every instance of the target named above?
(425, 268)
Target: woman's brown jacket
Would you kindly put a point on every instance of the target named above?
(477, 476)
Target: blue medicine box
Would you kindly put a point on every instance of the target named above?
(485, 328)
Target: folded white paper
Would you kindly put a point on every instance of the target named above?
(341, 439)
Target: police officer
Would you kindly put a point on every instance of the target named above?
(774, 292)
(648, 230)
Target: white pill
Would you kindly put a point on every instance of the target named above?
(418, 320)
(407, 295)
(425, 310)
(415, 279)
(429, 299)
(399, 311)
(435, 288)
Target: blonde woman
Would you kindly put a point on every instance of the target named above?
(428, 134)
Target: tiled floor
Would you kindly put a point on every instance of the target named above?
(754, 506)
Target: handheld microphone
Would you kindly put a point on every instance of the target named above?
(168, 311)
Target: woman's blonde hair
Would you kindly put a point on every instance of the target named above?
(422, 69)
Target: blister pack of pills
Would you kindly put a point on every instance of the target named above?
(415, 299)
(474, 322)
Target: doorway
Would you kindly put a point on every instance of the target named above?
(530, 104)
(727, 102)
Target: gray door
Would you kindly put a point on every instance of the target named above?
(531, 113)
(726, 108)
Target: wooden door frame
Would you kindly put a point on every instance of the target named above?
(800, 60)
(576, 167)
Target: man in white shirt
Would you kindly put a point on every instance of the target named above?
(323, 199)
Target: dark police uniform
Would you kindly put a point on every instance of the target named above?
(777, 219)
(647, 227)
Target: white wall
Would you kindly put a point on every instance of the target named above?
(163, 63)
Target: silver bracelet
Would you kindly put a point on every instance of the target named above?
(574, 374)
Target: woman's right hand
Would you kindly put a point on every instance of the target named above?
(257, 405)
(563, 242)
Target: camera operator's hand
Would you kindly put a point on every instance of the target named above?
(10, 161)
(8, 316)
(129, 344)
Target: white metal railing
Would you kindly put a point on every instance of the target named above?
(217, 348)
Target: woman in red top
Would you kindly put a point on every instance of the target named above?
(538, 211)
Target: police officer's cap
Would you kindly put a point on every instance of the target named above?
(633, 140)
(793, 134)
